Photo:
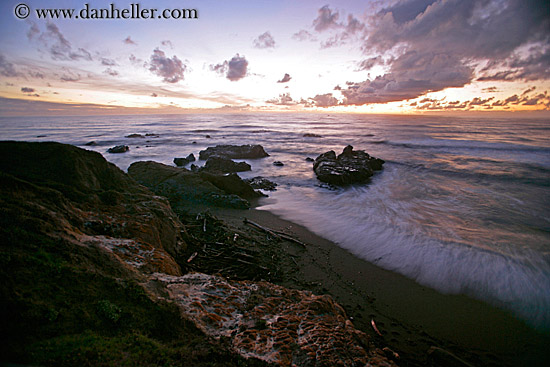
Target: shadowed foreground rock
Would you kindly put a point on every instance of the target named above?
(347, 168)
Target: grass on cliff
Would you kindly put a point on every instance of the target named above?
(68, 305)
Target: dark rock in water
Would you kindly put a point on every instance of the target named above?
(119, 149)
(310, 135)
(91, 144)
(132, 136)
(180, 162)
(225, 165)
(309, 159)
(261, 183)
(349, 167)
(278, 163)
(152, 135)
(182, 187)
(208, 137)
(234, 152)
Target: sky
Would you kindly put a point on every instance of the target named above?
(408, 56)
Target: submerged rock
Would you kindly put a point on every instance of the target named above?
(225, 165)
(278, 164)
(234, 152)
(311, 135)
(133, 136)
(347, 168)
(119, 149)
(180, 162)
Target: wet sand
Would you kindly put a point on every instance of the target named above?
(410, 317)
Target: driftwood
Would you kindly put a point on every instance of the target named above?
(374, 327)
(274, 233)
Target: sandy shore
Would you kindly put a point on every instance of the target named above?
(410, 317)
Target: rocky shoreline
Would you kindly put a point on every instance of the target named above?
(159, 262)
(71, 220)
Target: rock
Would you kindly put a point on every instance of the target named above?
(234, 152)
(261, 183)
(133, 136)
(91, 144)
(278, 164)
(310, 135)
(225, 165)
(118, 149)
(152, 135)
(231, 184)
(182, 187)
(180, 162)
(349, 167)
(208, 137)
(309, 159)
(76, 193)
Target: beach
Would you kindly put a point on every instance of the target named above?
(410, 317)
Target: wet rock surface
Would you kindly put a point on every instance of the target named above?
(225, 165)
(118, 149)
(183, 187)
(234, 152)
(347, 168)
(180, 162)
(261, 183)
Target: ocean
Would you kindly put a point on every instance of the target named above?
(462, 205)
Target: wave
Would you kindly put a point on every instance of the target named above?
(384, 231)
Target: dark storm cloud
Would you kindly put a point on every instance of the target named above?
(170, 69)
(431, 45)
(265, 40)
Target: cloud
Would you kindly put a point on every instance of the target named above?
(234, 69)
(167, 43)
(265, 40)
(128, 41)
(283, 100)
(286, 78)
(170, 69)
(110, 72)
(56, 43)
(304, 35)
(325, 100)
(410, 76)
(326, 19)
(6, 68)
(29, 92)
(107, 62)
(430, 45)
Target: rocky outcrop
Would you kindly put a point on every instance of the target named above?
(272, 323)
(86, 247)
(261, 183)
(225, 165)
(87, 197)
(118, 149)
(347, 168)
(182, 187)
(180, 162)
(234, 152)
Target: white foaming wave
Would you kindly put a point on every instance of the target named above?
(384, 232)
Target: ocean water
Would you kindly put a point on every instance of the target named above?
(462, 205)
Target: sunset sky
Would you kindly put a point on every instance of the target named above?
(351, 56)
